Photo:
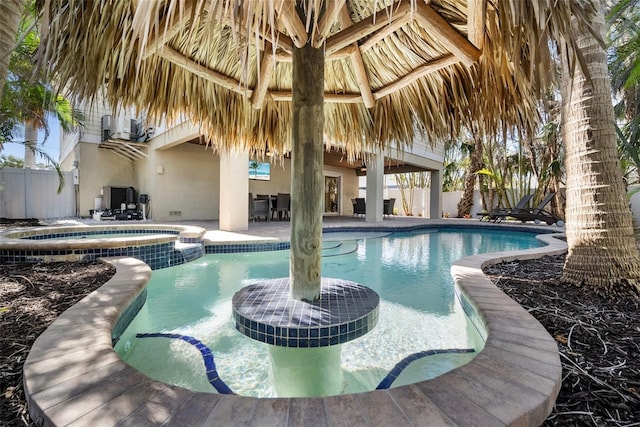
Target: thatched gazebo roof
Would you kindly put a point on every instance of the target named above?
(391, 68)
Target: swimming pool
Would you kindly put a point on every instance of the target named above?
(419, 311)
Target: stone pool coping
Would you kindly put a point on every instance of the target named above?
(18, 240)
(73, 376)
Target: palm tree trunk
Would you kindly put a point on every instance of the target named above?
(30, 141)
(466, 201)
(602, 249)
(11, 13)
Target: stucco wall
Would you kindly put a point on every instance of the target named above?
(98, 168)
(349, 188)
(280, 182)
(182, 183)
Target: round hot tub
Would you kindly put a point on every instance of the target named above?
(156, 244)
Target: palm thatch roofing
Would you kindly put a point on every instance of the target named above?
(393, 69)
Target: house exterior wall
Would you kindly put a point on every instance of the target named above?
(98, 168)
(349, 188)
(183, 179)
(280, 181)
(183, 183)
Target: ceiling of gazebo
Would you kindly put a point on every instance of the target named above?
(391, 68)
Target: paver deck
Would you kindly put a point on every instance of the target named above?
(73, 376)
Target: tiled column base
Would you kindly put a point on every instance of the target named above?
(265, 312)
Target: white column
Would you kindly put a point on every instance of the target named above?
(375, 187)
(435, 205)
(234, 191)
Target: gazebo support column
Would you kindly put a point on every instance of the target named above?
(234, 190)
(375, 187)
(435, 205)
(306, 173)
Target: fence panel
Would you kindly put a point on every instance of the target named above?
(32, 193)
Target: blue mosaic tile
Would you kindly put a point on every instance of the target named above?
(127, 316)
(345, 311)
(400, 366)
(472, 314)
(207, 357)
(226, 248)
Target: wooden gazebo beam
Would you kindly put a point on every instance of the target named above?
(364, 28)
(293, 24)
(384, 32)
(264, 77)
(177, 58)
(451, 39)
(260, 92)
(328, 19)
(356, 61)
(414, 75)
(476, 18)
(166, 32)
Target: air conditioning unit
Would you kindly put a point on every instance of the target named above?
(120, 128)
(134, 130)
(106, 125)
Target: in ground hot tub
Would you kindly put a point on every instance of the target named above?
(157, 245)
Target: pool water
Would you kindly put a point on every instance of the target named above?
(410, 271)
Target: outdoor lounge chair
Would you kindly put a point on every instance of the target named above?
(538, 213)
(499, 214)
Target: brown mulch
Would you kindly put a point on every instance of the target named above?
(32, 296)
(598, 340)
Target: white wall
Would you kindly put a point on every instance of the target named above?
(32, 193)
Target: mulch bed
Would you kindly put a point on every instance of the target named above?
(598, 340)
(32, 296)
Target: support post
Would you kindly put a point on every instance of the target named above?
(234, 191)
(306, 173)
(435, 205)
(375, 187)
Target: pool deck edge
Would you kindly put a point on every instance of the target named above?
(513, 381)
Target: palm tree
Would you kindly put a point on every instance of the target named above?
(27, 98)
(10, 15)
(602, 250)
(475, 165)
(624, 67)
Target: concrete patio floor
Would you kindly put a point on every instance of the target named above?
(73, 376)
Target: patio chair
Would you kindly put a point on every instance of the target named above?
(538, 214)
(498, 214)
(359, 206)
(387, 206)
(258, 208)
(283, 206)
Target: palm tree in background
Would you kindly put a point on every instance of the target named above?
(28, 99)
(10, 16)
(624, 68)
